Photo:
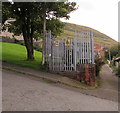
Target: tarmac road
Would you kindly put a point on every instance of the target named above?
(23, 93)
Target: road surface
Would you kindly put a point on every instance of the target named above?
(23, 93)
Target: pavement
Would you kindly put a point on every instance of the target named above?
(28, 93)
(56, 78)
(108, 81)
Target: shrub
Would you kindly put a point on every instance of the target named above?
(118, 71)
(35, 46)
(38, 48)
(99, 62)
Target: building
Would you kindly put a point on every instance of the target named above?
(99, 50)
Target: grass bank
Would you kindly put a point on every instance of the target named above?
(17, 54)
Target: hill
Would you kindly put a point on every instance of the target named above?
(99, 38)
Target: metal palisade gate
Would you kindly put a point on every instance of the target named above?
(65, 54)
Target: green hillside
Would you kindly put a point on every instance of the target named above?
(99, 38)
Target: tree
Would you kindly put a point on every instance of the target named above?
(31, 17)
(54, 11)
(26, 15)
(113, 51)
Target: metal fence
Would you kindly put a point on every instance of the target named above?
(65, 54)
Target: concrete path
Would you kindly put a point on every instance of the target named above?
(109, 81)
(108, 85)
(27, 93)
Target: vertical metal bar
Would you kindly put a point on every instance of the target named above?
(53, 56)
(50, 65)
(48, 42)
(50, 51)
(83, 48)
(91, 45)
(80, 48)
(56, 53)
(79, 41)
(71, 55)
(60, 55)
(69, 58)
(65, 54)
(87, 47)
(62, 52)
(56, 58)
(78, 44)
(77, 47)
(45, 44)
(92, 48)
(75, 50)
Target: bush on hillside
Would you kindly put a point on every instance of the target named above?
(7, 39)
(35, 46)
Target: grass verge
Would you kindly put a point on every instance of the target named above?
(17, 54)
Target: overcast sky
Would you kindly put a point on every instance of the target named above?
(101, 15)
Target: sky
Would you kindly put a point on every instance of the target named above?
(101, 15)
